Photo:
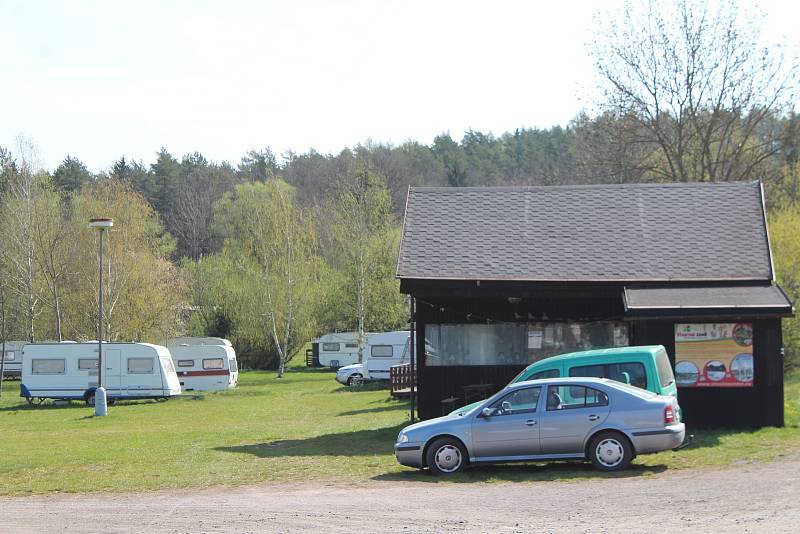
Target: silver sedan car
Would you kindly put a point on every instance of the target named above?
(601, 420)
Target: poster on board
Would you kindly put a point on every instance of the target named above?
(714, 355)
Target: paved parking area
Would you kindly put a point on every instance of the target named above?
(745, 498)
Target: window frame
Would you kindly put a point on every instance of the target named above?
(208, 368)
(574, 406)
(63, 366)
(96, 364)
(182, 363)
(141, 358)
(325, 347)
(373, 355)
(497, 405)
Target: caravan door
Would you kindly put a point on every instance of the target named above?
(112, 379)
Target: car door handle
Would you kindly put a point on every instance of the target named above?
(594, 417)
(530, 422)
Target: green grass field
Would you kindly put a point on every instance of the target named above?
(302, 427)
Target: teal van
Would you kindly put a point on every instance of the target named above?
(646, 367)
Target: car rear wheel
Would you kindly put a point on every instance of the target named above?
(446, 456)
(610, 451)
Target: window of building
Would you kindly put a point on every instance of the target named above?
(185, 363)
(140, 366)
(213, 363)
(48, 367)
(381, 351)
(87, 363)
(516, 343)
(330, 347)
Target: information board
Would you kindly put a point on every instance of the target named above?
(714, 355)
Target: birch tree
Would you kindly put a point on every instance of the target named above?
(362, 221)
(693, 81)
(271, 251)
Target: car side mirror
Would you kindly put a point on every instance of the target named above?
(487, 412)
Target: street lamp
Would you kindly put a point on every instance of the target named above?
(100, 408)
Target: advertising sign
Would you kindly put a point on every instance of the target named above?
(714, 355)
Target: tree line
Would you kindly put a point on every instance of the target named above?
(273, 250)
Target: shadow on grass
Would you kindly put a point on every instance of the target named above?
(50, 405)
(363, 388)
(523, 472)
(395, 406)
(357, 443)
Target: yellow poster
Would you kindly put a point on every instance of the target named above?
(714, 355)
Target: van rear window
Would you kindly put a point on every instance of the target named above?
(665, 374)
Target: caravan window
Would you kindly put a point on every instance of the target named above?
(330, 347)
(9, 355)
(351, 345)
(233, 366)
(167, 363)
(87, 364)
(48, 367)
(140, 365)
(185, 363)
(214, 363)
(381, 351)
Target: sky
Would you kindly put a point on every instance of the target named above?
(98, 80)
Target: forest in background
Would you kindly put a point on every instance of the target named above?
(275, 249)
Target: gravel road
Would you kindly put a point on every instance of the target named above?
(745, 498)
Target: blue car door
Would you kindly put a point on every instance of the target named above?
(571, 413)
(512, 428)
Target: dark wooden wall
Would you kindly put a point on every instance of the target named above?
(761, 405)
(754, 407)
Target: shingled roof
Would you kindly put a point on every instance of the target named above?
(622, 232)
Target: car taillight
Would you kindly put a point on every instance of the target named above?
(669, 415)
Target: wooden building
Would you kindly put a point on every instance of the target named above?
(503, 277)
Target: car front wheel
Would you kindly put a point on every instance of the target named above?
(446, 456)
(610, 451)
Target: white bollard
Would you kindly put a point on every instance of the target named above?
(100, 407)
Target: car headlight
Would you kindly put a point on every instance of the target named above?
(402, 438)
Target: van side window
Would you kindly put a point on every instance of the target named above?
(87, 363)
(330, 347)
(48, 367)
(550, 373)
(381, 351)
(628, 372)
(140, 366)
(634, 372)
(213, 363)
(185, 363)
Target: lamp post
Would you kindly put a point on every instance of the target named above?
(100, 408)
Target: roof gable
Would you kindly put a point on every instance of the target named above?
(624, 232)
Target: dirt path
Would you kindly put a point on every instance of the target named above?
(748, 498)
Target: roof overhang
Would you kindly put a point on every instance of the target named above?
(706, 301)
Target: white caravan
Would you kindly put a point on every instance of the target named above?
(383, 350)
(193, 341)
(13, 359)
(69, 371)
(338, 349)
(203, 367)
